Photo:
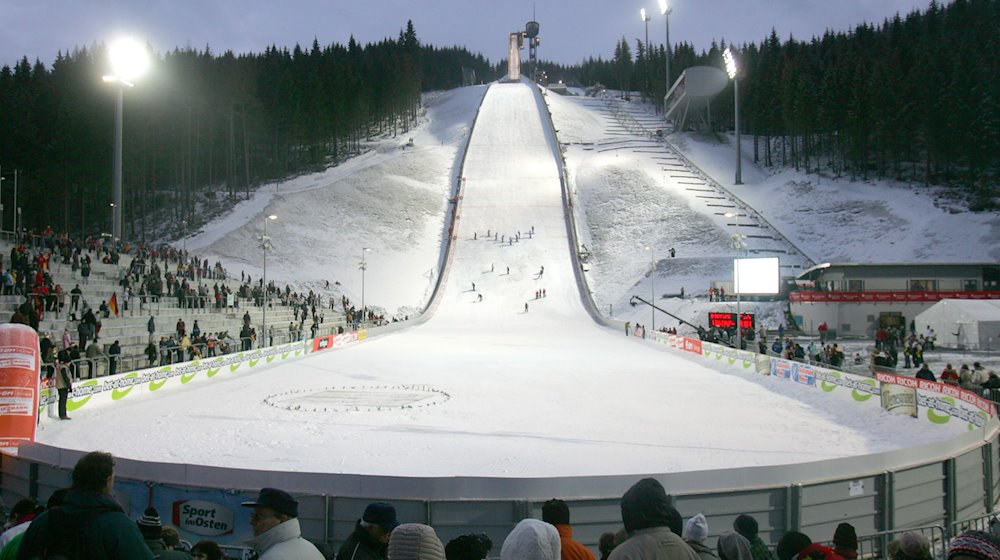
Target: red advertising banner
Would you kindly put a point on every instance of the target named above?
(20, 362)
(692, 345)
(806, 296)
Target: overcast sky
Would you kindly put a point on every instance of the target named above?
(571, 30)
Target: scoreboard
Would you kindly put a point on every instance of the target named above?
(727, 321)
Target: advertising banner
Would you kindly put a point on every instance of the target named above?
(848, 386)
(742, 359)
(20, 364)
(781, 369)
(899, 393)
(692, 345)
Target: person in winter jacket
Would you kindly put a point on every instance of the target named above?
(89, 514)
(695, 533)
(276, 531)
(413, 541)
(468, 547)
(371, 534)
(845, 541)
(152, 532)
(645, 513)
(20, 517)
(556, 513)
(531, 539)
(747, 526)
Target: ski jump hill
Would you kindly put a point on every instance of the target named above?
(491, 405)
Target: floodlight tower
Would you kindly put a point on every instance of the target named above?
(129, 60)
(734, 74)
(531, 33)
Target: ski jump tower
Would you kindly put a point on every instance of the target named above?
(515, 44)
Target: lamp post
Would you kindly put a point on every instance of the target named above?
(265, 245)
(665, 10)
(733, 70)
(128, 61)
(645, 19)
(363, 266)
(738, 246)
(652, 291)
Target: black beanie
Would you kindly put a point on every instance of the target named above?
(645, 505)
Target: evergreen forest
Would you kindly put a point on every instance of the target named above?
(202, 129)
(915, 98)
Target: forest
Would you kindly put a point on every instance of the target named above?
(915, 98)
(202, 129)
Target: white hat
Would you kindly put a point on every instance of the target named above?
(696, 528)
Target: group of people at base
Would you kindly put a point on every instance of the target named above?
(86, 522)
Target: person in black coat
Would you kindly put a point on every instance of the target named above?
(925, 373)
(371, 534)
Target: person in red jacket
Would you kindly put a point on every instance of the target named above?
(556, 512)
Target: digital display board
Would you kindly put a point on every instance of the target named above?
(727, 321)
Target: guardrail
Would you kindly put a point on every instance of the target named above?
(628, 121)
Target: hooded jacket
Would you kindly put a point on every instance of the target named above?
(413, 541)
(531, 539)
(107, 533)
(284, 542)
(645, 512)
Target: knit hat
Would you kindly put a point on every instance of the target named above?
(914, 545)
(746, 526)
(845, 536)
(149, 524)
(696, 528)
(977, 544)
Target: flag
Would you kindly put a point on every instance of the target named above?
(113, 304)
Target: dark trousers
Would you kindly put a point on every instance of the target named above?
(63, 398)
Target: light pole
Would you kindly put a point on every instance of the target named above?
(16, 209)
(363, 267)
(128, 61)
(665, 10)
(652, 291)
(645, 19)
(265, 245)
(733, 70)
(738, 246)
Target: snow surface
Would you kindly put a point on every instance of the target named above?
(542, 391)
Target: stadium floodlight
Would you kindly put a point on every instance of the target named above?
(738, 246)
(652, 291)
(364, 266)
(265, 245)
(129, 60)
(733, 70)
(645, 18)
(665, 12)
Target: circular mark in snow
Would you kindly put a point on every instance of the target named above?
(359, 399)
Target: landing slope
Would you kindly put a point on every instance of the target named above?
(520, 394)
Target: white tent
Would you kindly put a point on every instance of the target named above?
(971, 324)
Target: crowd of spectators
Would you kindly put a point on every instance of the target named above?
(86, 521)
